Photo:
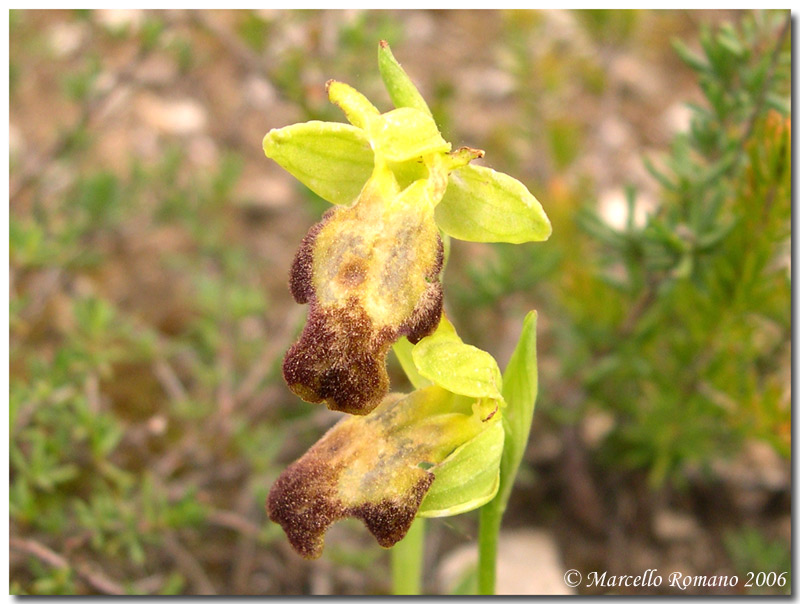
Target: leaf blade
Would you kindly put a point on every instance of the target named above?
(520, 388)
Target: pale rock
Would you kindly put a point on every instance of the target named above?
(757, 466)
(145, 143)
(157, 70)
(595, 427)
(669, 525)
(203, 151)
(677, 118)
(172, 116)
(564, 27)
(612, 206)
(267, 190)
(420, 27)
(117, 19)
(57, 178)
(766, 462)
(105, 82)
(16, 142)
(487, 83)
(259, 93)
(269, 14)
(117, 100)
(614, 132)
(66, 37)
(292, 36)
(157, 425)
(751, 501)
(528, 563)
(634, 74)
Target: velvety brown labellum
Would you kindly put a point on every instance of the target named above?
(369, 276)
(305, 502)
(370, 468)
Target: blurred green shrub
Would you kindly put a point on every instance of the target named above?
(704, 286)
(679, 328)
(752, 554)
(90, 417)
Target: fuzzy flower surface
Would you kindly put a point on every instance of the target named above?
(370, 269)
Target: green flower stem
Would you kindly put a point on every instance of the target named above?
(488, 531)
(407, 559)
(520, 386)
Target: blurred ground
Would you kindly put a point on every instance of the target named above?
(150, 244)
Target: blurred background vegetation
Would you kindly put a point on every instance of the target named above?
(150, 242)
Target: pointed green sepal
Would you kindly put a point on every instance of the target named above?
(400, 87)
(333, 160)
(483, 205)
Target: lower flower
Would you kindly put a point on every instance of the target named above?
(380, 467)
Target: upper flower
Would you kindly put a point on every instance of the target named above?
(370, 269)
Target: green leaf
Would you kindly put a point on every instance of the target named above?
(333, 160)
(468, 478)
(404, 134)
(460, 368)
(689, 57)
(483, 205)
(400, 87)
(402, 350)
(520, 386)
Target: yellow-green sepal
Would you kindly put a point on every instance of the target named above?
(396, 136)
(400, 87)
(446, 361)
(333, 160)
(468, 478)
(483, 205)
(404, 134)
(402, 350)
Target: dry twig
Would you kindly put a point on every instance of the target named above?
(93, 577)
